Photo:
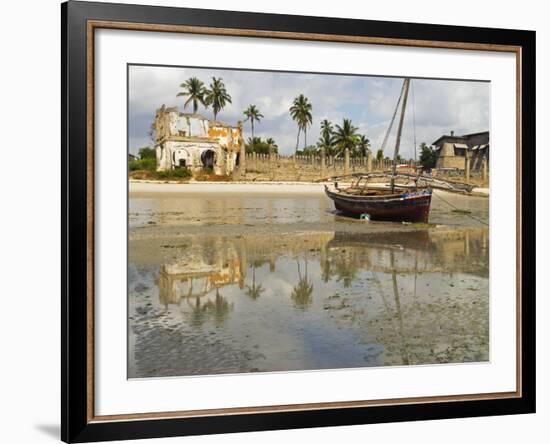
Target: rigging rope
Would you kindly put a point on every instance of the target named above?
(414, 123)
(460, 209)
(383, 147)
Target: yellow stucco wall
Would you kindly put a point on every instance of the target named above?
(450, 162)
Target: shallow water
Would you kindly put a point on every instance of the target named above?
(244, 283)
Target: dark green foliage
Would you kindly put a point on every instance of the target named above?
(178, 173)
(308, 151)
(259, 146)
(146, 164)
(326, 140)
(428, 156)
(300, 111)
(147, 153)
(362, 146)
(345, 136)
(217, 96)
(195, 92)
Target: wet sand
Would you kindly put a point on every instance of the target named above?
(227, 278)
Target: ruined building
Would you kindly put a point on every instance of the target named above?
(452, 151)
(192, 141)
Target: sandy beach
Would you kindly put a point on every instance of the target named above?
(138, 187)
(143, 187)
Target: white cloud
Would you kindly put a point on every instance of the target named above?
(439, 105)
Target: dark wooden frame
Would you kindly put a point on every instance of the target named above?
(79, 20)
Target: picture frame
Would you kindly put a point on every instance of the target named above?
(80, 20)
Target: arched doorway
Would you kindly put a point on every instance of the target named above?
(208, 159)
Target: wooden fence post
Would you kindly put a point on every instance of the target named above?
(242, 159)
(323, 164)
(346, 161)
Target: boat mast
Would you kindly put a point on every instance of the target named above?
(406, 83)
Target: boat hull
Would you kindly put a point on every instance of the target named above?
(406, 207)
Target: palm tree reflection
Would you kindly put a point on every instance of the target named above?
(343, 264)
(254, 291)
(302, 292)
(218, 309)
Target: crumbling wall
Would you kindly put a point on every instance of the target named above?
(182, 140)
(308, 168)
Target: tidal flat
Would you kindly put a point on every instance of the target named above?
(228, 280)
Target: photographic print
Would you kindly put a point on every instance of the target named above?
(274, 222)
(294, 221)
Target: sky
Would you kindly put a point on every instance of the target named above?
(436, 107)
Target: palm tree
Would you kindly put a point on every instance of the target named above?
(272, 145)
(345, 136)
(195, 91)
(326, 139)
(363, 145)
(300, 111)
(217, 96)
(253, 114)
(253, 144)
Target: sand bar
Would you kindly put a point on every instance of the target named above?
(146, 187)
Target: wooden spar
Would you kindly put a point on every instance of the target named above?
(406, 83)
(447, 185)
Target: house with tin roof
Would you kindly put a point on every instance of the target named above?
(452, 151)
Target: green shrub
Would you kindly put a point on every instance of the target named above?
(428, 156)
(178, 173)
(147, 164)
(147, 153)
(182, 173)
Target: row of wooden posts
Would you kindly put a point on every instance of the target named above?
(328, 165)
(467, 168)
(256, 162)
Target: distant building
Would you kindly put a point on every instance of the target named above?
(192, 141)
(451, 150)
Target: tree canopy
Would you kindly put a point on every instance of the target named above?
(300, 111)
(194, 91)
(147, 153)
(428, 156)
(345, 136)
(217, 96)
(260, 146)
(252, 113)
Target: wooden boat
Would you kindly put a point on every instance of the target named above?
(405, 206)
(408, 205)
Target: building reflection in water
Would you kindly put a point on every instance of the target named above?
(377, 278)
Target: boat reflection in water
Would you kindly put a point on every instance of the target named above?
(306, 301)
